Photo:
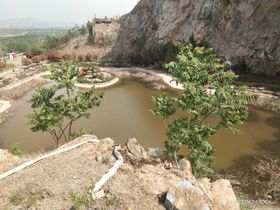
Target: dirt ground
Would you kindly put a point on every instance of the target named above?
(46, 185)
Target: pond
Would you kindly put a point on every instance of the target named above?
(124, 112)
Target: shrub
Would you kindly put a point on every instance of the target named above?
(26, 61)
(15, 150)
(54, 56)
(16, 199)
(36, 59)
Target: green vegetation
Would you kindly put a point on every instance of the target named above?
(29, 202)
(39, 41)
(210, 101)
(56, 108)
(4, 82)
(156, 56)
(18, 200)
(84, 199)
(91, 36)
(78, 200)
(29, 73)
(271, 87)
(33, 39)
(116, 64)
(53, 42)
(15, 150)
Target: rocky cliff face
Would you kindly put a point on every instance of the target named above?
(244, 32)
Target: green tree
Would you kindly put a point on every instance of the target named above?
(83, 30)
(56, 108)
(209, 101)
(91, 35)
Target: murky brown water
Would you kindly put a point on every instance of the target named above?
(124, 112)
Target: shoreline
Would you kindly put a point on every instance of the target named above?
(266, 99)
(166, 78)
(4, 106)
(99, 86)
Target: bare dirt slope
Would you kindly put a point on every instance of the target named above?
(106, 34)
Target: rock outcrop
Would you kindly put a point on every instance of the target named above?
(244, 32)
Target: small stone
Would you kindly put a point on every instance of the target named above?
(99, 158)
(167, 165)
(144, 170)
(186, 167)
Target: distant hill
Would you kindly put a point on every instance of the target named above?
(30, 23)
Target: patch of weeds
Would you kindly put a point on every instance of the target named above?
(80, 200)
(79, 133)
(4, 82)
(111, 200)
(116, 64)
(16, 198)
(82, 80)
(246, 207)
(29, 202)
(105, 160)
(15, 150)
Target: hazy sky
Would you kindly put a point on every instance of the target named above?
(64, 10)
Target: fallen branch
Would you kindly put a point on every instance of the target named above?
(111, 172)
(56, 152)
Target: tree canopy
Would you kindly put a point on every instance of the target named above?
(210, 100)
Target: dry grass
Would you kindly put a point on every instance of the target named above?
(260, 181)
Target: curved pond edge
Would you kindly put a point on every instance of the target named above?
(267, 99)
(98, 85)
(166, 78)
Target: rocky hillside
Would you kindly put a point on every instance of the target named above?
(244, 32)
(105, 36)
(143, 181)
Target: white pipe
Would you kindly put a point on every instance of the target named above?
(111, 172)
(56, 152)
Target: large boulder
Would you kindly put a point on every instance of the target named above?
(244, 32)
(202, 195)
(134, 148)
